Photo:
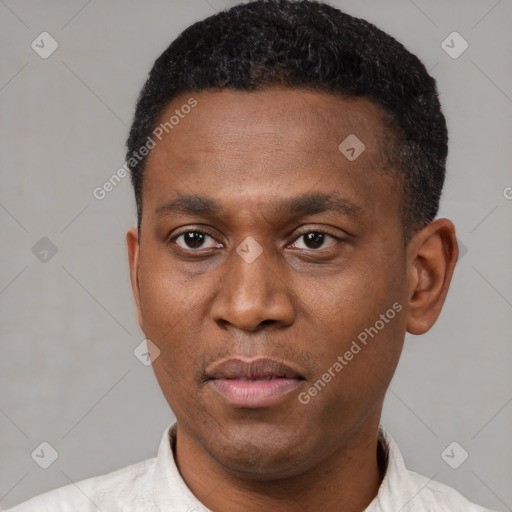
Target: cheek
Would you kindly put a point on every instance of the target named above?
(169, 312)
(165, 296)
(349, 301)
(359, 316)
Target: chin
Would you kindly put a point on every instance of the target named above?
(262, 454)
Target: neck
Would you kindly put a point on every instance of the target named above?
(348, 479)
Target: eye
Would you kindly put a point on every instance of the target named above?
(316, 239)
(193, 240)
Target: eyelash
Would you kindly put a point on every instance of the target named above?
(206, 231)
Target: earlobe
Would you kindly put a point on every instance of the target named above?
(132, 242)
(432, 255)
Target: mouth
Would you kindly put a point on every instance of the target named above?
(253, 383)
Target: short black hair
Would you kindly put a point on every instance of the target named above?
(307, 44)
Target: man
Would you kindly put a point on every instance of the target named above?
(287, 161)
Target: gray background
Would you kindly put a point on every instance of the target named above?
(68, 374)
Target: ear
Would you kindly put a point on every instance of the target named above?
(132, 242)
(431, 258)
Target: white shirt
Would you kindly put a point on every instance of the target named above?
(155, 485)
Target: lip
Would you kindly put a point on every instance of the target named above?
(253, 383)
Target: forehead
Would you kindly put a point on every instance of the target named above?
(289, 116)
(267, 143)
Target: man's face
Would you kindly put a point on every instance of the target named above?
(306, 285)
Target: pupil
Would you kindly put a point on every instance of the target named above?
(316, 239)
(194, 239)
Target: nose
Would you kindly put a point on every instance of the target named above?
(253, 294)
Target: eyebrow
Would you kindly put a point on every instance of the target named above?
(305, 204)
